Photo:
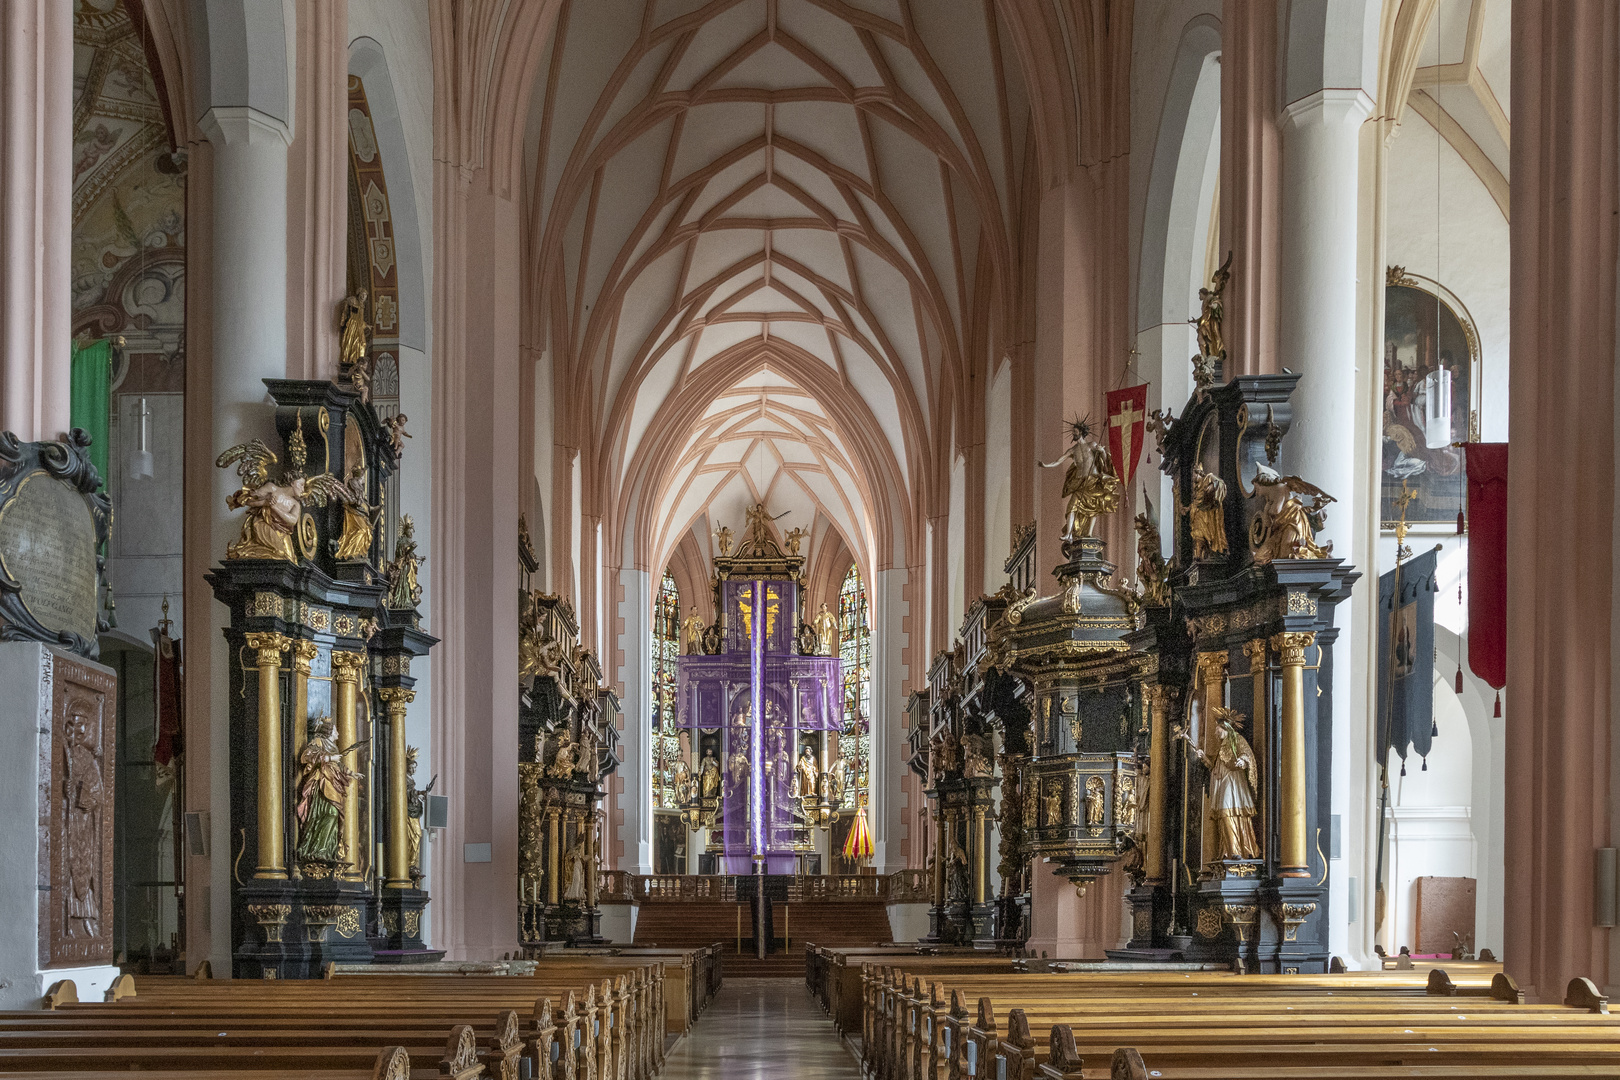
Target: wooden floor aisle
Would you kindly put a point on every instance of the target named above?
(761, 1028)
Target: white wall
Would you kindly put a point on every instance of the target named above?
(888, 811)
(635, 675)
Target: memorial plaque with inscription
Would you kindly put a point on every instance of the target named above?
(76, 823)
(54, 523)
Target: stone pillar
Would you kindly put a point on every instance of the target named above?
(1158, 782)
(1250, 185)
(1293, 856)
(36, 221)
(271, 828)
(1561, 777)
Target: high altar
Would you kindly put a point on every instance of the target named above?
(752, 705)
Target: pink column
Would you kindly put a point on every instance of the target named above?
(317, 190)
(1067, 926)
(1251, 185)
(1560, 488)
(477, 234)
(36, 221)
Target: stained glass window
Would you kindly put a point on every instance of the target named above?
(666, 742)
(855, 650)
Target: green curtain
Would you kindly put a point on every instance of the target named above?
(92, 378)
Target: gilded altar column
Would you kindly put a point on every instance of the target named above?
(1158, 781)
(977, 839)
(1211, 681)
(1291, 788)
(942, 852)
(553, 856)
(399, 856)
(272, 835)
(346, 682)
(593, 872)
(304, 654)
(1257, 652)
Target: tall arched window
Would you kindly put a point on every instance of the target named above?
(855, 650)
(666, 742)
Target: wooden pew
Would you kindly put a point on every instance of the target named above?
(1177, 1023)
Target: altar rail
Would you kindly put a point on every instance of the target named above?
(900, 887)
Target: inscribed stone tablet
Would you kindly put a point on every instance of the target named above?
(48, 546)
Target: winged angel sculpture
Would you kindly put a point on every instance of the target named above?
(274, 509)
(1286, 528)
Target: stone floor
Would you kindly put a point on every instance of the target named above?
(761, 1028)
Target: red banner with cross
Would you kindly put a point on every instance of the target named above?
(1127, 426)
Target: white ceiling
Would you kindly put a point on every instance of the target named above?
(730, 182)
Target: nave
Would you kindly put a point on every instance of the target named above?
(759, 1028)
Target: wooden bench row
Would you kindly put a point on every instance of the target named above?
(581, 1019)
(1209, 1026)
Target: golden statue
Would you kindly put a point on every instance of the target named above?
(354, 333)
(692, 634)
(323, 781)
(359, 518)
(1090, 485)
(565, 760)
(1286, 527)
(274, 510)
(1053, 798)
(825, 624)
(403, 592)
(682, 782)
(809, 774)
(795, 536)
(1150, 567)
(415, 809)
(1233, 783)
(1096, 804)
(1207, 513)
(709, 775)
(722, 537)
(1212, 309)
(760, 541)
(1125, 801)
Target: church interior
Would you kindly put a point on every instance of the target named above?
(607, 539)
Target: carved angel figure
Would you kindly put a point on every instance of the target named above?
(794, 538)
(1211, 311)
(273, 509)
(1286, 527)
(1090, 485)
(359, 517)
(1207, 513)
(396, 432)
(1096, 804)
(1233, 782)
(722, 537)
(566, 758)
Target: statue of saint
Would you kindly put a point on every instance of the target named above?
(692, 633)
(566, 758)
(1090, 485)
(737, 771)
(1287, 527)
(1096, 804)
(1053, 798)
(85, 795)
(1207, 513)
(1150, 568)
(1212, 310)
(709, 775)
(1232, 786)
(574, 861)
(1125, 802)
(415, 808)
(403, 591)
(976, 755)
(759, 529)
(323, 781)
(809, 774)
(825, 624)
(354, 333)
(685, 787)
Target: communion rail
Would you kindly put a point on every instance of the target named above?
(900, 887)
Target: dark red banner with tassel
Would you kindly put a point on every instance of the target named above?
(1487, 562)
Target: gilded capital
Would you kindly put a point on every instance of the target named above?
(1291, 646)
(1255, 649)
(346, 666)
(396, 698)
(304, 654)
(269, 647)
(1211, 666)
